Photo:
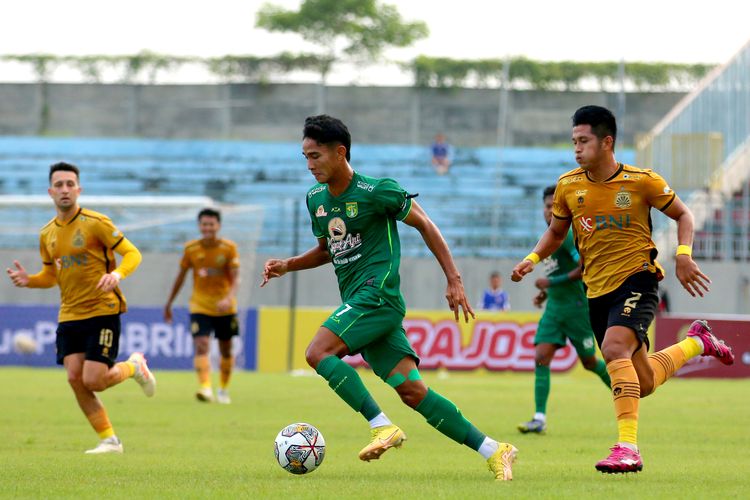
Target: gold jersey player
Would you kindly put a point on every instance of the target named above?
(77, 249)
(354, 219)
(213, 304)
(608, 204)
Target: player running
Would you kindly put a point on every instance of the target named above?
(608, 204)
(354, 219)
(565, 317)
(213, 304)
(77, 249)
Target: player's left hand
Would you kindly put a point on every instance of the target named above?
(108, 282)
(522, 269)
(456, 297)
(540, 298)
(690, 276)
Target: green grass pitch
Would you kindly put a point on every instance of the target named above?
(693, 435)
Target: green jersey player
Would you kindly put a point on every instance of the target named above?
(566, 317)
(354, 218)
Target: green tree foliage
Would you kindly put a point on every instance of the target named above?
(543, 75)
(356, 29)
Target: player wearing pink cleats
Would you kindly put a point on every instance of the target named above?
(622, 459)
(712, 346)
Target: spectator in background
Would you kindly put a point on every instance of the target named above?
(494, 297)
(442, 154)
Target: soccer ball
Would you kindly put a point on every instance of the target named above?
(23, 343)
(299, 448)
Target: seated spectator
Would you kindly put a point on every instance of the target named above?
(442, 155)
(494, 297)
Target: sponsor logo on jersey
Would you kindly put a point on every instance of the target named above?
(321, 211)
(78, 239)
(115, 233)
(622, 199)
(568, 180)
(221, 260)
(667, 189)
(601, 222)
(351, 209)
(363, 185)
(581, 192)
(336, 210)
(315, 191)
(336, 229)
(68, 261)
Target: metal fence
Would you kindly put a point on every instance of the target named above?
(701, 148)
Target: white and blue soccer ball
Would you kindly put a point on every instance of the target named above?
(299, 448)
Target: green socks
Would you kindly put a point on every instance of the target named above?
(444, 416)
(541, 387)
(601, 370)
(345, 382)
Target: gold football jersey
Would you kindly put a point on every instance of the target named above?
(81, 251)
(211, 274)
(612, 222)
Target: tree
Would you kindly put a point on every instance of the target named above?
(355, 29)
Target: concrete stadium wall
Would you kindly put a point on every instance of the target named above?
(275, 112)
(422, 280)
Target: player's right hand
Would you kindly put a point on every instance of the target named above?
(274, 268)
(19, 276)
(540, 298)
(168, 314)
(522, 269)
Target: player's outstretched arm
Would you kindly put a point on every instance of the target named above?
(548, 243)
(315, 257)
(45, 278)
(454, 293)
(690, 276)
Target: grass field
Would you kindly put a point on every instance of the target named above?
(694, 439)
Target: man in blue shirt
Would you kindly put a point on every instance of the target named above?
(494, 297)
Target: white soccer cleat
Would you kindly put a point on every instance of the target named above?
(222, 397)
(205, 394)
(142, 374)
(110, 445)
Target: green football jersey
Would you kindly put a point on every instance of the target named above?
(568, 294)
(360, 228)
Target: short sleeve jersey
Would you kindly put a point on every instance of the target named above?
(81, 250)
(568, 294)
(212, 266)
(612, 222)
(359, 226)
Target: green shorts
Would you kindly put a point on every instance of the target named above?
(555, 327)
(370, 326)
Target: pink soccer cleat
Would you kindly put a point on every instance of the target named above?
(712, 346)
(621, 460)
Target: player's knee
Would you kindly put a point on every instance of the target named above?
(589, 363)
(412, 393)
(94, 384)
(542, 359)
(647, 387)
(75, 380)
(314, 355)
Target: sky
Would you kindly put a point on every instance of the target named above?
(634, 30)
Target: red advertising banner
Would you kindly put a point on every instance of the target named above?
(734, 330)
(493, 345)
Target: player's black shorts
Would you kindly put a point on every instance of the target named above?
(224, 327)
(98, 337)
(632, 304)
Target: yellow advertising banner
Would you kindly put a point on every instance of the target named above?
(493, 341)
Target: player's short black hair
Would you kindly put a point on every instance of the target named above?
(209, 212)
(63, 167)
(602, 121)
(548, 191)
(326, 129)
(495, 274)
